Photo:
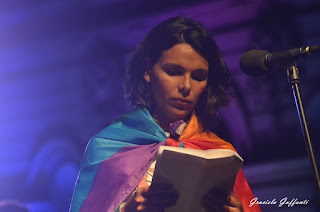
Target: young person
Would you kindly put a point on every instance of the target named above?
(177, 81)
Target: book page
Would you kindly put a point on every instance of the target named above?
(193, 176)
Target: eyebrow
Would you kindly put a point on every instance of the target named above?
(173, 65)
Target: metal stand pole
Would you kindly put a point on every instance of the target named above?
(294, 80)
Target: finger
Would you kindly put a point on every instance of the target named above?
(216, 197)
(234, 205)
(162, 198)
(161, 191)
(157, 197)
(159, 204)
(211, 207)
(232, 201)
(154, 209)
(156, 204)
(142, 190)
(227, 208)
(162, 195)
(161, 187)
(148, 209)
(211, 204)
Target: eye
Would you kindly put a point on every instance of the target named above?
(200, 75)
(174, 72)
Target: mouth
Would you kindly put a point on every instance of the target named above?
(182, 103)
(187, 101)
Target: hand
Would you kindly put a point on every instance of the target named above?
(156, 197)
(216, 201)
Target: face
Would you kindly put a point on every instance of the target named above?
(177, 79)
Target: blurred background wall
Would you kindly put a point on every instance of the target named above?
(61, 65)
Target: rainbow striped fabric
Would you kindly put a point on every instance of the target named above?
(115, 161)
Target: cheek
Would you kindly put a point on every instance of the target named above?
(161, 89)
(202, 89)
(166, 85)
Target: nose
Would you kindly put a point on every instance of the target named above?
(185, 85)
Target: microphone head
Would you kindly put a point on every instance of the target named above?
(252, 62)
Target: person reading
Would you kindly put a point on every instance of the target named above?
(176, 81)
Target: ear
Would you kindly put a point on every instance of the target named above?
(147, 74)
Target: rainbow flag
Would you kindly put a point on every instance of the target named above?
(115, 161)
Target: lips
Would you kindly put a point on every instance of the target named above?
(182, 100)
(182, 103)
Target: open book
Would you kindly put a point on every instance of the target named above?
(194, 172)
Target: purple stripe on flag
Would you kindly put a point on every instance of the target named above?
(117, 177)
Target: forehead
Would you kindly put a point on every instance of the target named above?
(184, 55)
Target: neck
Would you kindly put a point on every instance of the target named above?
(165, 122)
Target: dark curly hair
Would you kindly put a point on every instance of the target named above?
(162, 37)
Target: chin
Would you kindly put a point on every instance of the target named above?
(178, 114)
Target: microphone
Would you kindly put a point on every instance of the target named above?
(258, 62)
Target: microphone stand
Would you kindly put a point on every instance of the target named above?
(294, 80)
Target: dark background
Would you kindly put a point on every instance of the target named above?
(61, 64)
